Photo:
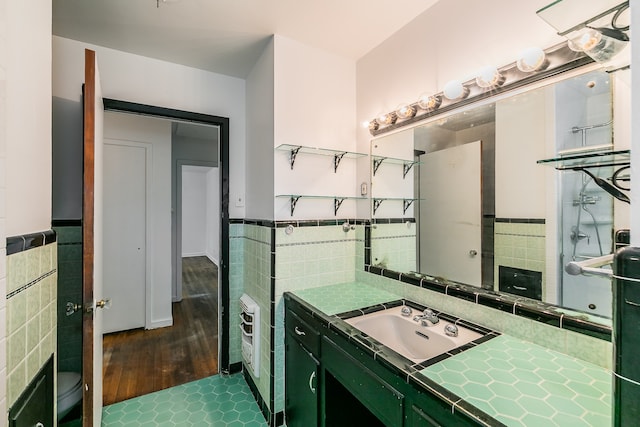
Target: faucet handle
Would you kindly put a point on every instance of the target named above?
(428, 312)
(451, 330)
(406, 311)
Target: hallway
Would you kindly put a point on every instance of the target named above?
(139, 362)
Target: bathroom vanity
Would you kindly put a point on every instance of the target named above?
(337, 375)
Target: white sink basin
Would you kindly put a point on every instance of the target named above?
(407, 337)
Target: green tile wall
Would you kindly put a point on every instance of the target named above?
(580, 346)
(520, 246)
(69, 340)
(250, 252)
(308, 258)
(393, 246)
(31, 315)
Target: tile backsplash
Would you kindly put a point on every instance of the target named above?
(31, 307)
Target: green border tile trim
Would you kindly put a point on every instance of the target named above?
(523, 384)
(213, 401)
(334, 299)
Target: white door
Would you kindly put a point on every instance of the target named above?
(125, 190)
(451, 213)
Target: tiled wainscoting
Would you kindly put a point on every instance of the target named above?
(31, 307)
(520, 243)
(268, 258)
(69, 237)
(393, 241)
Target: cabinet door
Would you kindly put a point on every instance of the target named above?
(301, 385)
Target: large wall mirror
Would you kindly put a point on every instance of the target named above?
(461, 196)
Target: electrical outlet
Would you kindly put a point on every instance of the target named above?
(240, 201)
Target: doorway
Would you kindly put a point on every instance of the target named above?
(205, 319)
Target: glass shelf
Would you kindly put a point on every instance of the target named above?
(570, 15)
(406, 164)
(337, 200)
(585, 161)
(580, 161)
(337, 155)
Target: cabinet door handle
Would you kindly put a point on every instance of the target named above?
(311, 378)
(299, 332)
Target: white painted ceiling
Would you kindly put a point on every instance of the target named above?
(228, 36)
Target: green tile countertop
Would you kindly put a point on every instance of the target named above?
(334, 299)
(523, 384)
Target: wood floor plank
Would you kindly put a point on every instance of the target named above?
(141, 361)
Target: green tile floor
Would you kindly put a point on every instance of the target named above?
(224, 401)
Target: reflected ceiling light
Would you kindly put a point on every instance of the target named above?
(532, 59)
(455, 90)
(489, 77)
(405, 111)
(429, 102)
(601, 44)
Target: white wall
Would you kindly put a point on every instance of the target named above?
(144, 80)
(200, 212)
(130, 127)
(194, 188)
(314, 106)
(259, 155)
(25, 135)
(521, 132)
(28, 117)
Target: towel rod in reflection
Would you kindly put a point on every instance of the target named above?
(591, 266)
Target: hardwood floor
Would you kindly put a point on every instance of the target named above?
(141, 361)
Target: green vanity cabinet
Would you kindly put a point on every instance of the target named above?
(364, 398)
(301, 372)
(425, 410)
(331, 381)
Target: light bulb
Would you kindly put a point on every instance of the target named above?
(532, 59)
(455, 90)
(404, 111)
(429, 102)
(385, 119)
(489, 77)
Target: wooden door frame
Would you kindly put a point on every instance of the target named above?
(223, 164)
(88, 178)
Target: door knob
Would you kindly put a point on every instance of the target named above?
(473, 253)
(103, 303)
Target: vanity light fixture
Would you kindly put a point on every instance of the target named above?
(532, 59)
(533, 65)
(489, 77)
(455, 90)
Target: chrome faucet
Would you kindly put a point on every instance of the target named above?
(428, 318)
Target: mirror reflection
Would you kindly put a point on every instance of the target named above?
(462, 197)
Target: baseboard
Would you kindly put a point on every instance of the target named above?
(194, 254)
(160, 323)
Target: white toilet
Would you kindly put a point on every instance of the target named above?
(69, 392)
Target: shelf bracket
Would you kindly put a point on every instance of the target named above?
(406, 168)
(405, 205)
(376, 204)
(292, 158)
(605, 185)
(337, 202)
(336, 160)
(376, 164)
(294, 201)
